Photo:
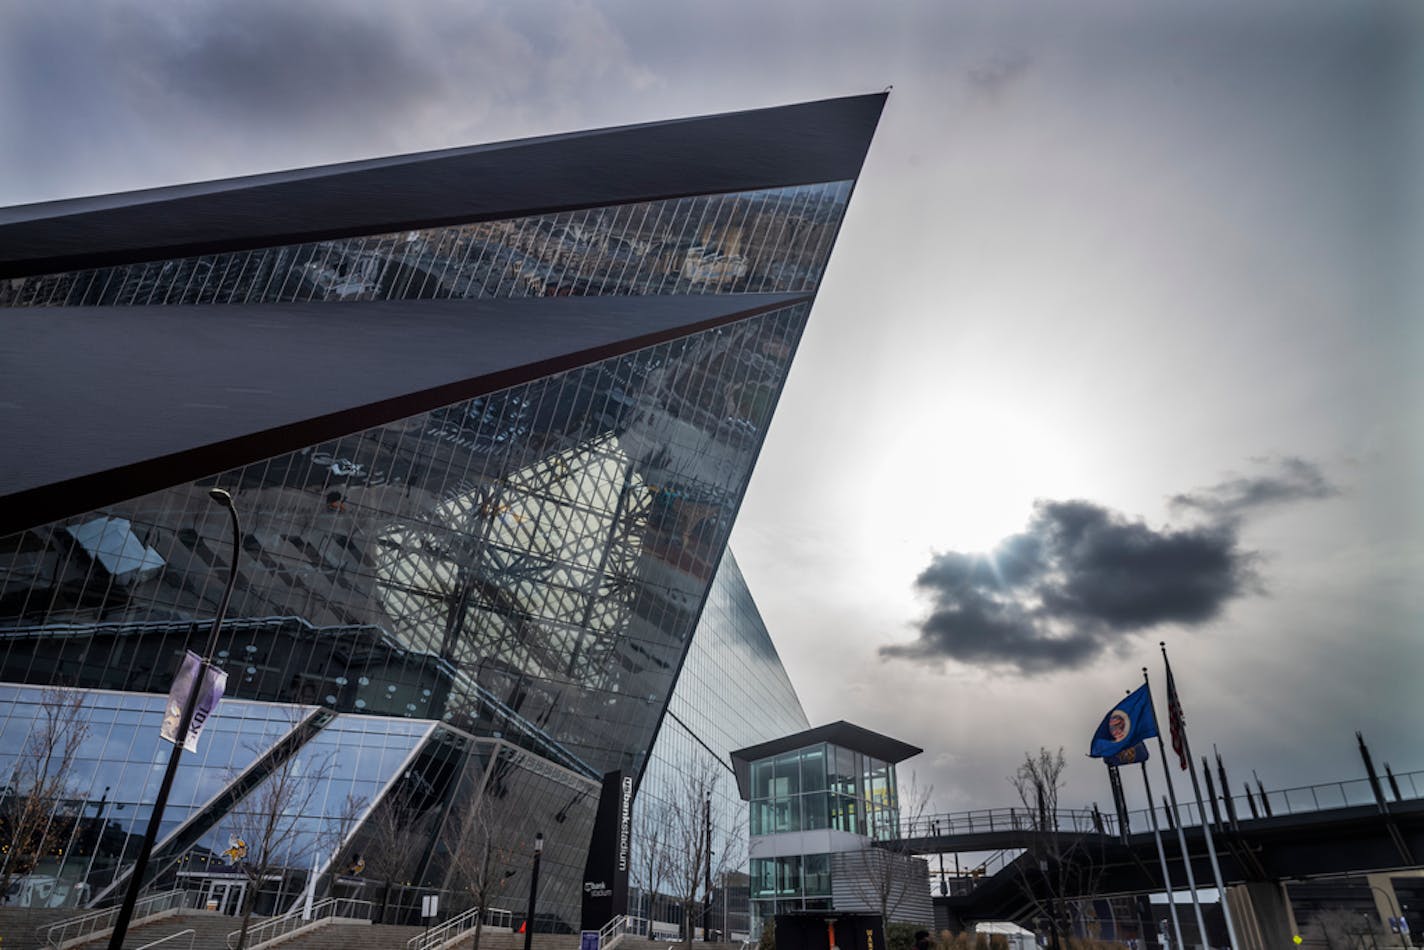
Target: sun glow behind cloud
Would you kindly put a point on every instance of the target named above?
(966, 478)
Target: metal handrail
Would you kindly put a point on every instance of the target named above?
(86, 926)
(190, 932)
(613, 932)
(275, 928)
(457, 926)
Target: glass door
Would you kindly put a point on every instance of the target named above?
(224, 896)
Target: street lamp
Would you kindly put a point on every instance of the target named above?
(121, 924)
(533, 892)
(1390, 899)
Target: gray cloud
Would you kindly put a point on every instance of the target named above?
(180, 91)
(1078, 580)
(1082, 578)
(997, 73)
(1295, 480)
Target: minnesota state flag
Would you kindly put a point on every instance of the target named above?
(1125, 725)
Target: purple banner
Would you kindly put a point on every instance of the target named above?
(211, 691)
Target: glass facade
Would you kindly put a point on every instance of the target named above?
(772, 241)
(732, 692)
(821, 786)
(482, 606)
(824, 786)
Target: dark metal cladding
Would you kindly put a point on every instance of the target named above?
(170, 394)
(764, 148)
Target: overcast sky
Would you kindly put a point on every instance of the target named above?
(1120, 342)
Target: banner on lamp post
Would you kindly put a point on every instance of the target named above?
(210, 690)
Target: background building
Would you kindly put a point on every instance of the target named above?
(821, 799)
(487, 456)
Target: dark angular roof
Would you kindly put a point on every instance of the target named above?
(100, 404)
(847, 735)
(764, 148)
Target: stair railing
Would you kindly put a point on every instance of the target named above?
(273, 929)
(457, 926)
(86, 927)
(190, 933)
(613, 932)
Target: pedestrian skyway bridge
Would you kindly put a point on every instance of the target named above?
(1262, 838)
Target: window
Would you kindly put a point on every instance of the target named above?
(788, 775)
(816, 869)
(815, 811)
(813, 769)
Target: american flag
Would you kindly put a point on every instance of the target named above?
(1174, 715)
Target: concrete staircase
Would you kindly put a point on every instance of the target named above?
(19, 928)
(18, 925)
(211, 930)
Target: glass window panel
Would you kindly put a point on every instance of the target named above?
(763, 877)
(788, 876)
(817, 875)
(815, 811)
(788, 775)
(844, 782)
(761, 778)
(844, 815)
(813, 769)
(786, 814)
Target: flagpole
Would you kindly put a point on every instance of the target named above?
(1162, 857)
(1196, 787)
(1181, 836)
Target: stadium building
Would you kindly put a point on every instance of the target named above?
(487, 415)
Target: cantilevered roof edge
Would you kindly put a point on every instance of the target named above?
(844, 734)
(765, 148)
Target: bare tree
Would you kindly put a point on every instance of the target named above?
(649, 866)
(699, 849)
(39, 787)
(1341, 929)
(1056, 865)
(395, 837)
(886, 876)
(269, 830)
(484, 859)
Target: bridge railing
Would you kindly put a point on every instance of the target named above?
(999, 819)
(1303, 799)
(1251, 804)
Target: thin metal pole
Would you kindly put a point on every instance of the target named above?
(155, 819)
(1205, 822)
(1181, 835)
(1162, 857)
(533, 891)
(707, 864)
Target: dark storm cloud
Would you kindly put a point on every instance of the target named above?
(1082, 578)
(293, 61)
(175, 90)
(1295, 480)
(1077, 581)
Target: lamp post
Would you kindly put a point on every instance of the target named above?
(1391, 904)
(121, 924)
(707, 864)
(533, 891)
